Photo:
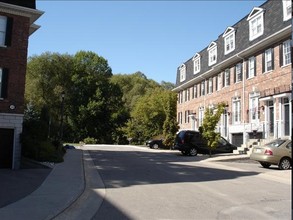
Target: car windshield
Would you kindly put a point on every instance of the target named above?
(275, 143)
(222, 141)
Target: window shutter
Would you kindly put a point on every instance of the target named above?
(8, 31)
(223, 79)
(212, 85)
(199, 85)
(235, 74)
(247, 69)
(216, 82)
(228, 78)
(281, 54)
(254, 58)
(241, 72)
(4, 84)
(273, 60)
(263, 62)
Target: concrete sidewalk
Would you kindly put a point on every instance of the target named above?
(62, 187)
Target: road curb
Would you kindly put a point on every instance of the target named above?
(89, 202)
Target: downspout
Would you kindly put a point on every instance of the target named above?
(204, 97)
(243, 99)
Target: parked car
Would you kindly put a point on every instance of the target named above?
(276, 152)
(191, 142)
(155, 143)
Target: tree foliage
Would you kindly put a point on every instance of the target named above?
(97, 104)
(150, 113)
(208, 128)
(93, 106)
(133, 86)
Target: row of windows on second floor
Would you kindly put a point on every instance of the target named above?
(256, 29)
(223, 79)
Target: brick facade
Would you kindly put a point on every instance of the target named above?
(18, 18)
(269, 116)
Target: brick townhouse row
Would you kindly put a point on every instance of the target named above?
(249, 68)
(17, 19)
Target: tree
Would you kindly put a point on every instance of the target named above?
(48, 75)
(210, 121)
(93, 106)
(133, 87)
(96, 107)
(170, 126)
(150, 113)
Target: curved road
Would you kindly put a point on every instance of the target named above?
(142, 183)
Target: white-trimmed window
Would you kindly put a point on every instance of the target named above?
(196, 63)
(210, 85)
(3, 24)
(194, 94)
(202, 88)
(181, 97)
(256, 23)
(179, 117)
(236, 110)
(251, 67)
(286, 53)
(238, 73)
(186, 116)
(268, 60)
(287, 9)
(182, 70)
(229, 39)
(200, 115)
(226, 81)
(212, 49)
(253, 107)
(187, 94)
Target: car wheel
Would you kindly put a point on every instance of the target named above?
(285, 164)
(156, 146)
(265, 165)
(193, 152)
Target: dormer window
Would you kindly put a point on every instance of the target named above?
(182, 70)
(287, 9)
(196, 63)
(229, 39)
(256, 23)
(212, 49)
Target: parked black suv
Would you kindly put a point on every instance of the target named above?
(191, 143)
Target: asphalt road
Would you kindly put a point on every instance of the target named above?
(148, 184)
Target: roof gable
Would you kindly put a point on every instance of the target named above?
(196, 56)
(228, 31)
(212, 44)
(254, 12)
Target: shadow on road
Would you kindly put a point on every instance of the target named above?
(128, 168)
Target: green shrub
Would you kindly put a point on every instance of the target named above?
(90, 140)
(43, 151)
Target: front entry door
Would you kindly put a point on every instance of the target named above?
(6, 147)
(271, 118)
(286, 117)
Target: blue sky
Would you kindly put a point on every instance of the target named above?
(154, 37)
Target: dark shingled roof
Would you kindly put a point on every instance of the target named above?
(273, 22)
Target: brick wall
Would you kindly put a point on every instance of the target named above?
(14, 58)
(280, 77)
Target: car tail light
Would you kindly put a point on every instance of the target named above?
(268, 152)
